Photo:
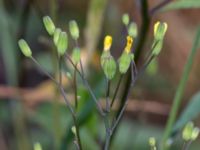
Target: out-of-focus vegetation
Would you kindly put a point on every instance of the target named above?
(33, 114)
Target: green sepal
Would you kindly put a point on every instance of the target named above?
(156, 47)
(108, 65)
(125, 61)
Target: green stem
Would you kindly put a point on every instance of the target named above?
(180, 92)
(116, 90)
(75, 89)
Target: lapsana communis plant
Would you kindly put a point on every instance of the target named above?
(107, 61)
(108, 64)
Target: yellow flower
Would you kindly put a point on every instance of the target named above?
(107, 42)
(128, 44)
(160, 29)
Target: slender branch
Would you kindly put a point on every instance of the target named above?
(107, 96)
(116, 90)
(65, 98)
(75, 89)
(99, 108)
(59, 86)
(158, 7)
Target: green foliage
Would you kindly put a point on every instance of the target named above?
(181, 4)
(180, 90)
(191, 112)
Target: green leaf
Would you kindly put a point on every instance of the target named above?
(191, 112)
(182, 4)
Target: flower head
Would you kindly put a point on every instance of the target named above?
(107, 42)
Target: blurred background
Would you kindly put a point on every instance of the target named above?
(31, 108)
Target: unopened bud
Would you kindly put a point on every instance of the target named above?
(56, 36)
(132, 30)
(74, 30)
(24, 47)
(49, 25)
(125, 19)
(62, 43)
(187, 131)
(108, 64)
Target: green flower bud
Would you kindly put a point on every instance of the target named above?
(125, 19)
(157, 46)
(160, 30)
(56, 36)
(76, 56)
(49, 25)
(125, 61)
(37, 146)
(62, 43)
(74, 130)
(152, 141)
(132, 30)
(68, 74)
(195, 133)
(108, 64)
(74, 30)
(187, 131)
(25, 49)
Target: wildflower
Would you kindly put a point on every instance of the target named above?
(126, 57)
(107, 61)
(125, 19)
(132, 29)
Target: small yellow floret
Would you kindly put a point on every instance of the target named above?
(156, 26)
(107, 42)
(128, 44)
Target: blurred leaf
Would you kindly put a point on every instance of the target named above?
(191, 112)
(182, 4)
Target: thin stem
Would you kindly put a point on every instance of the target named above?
(158, 7)
(108, 132)
(99, 108)
(116, 90)
(107, 96)
(65, 98)
(77, 131)
(75, 89)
